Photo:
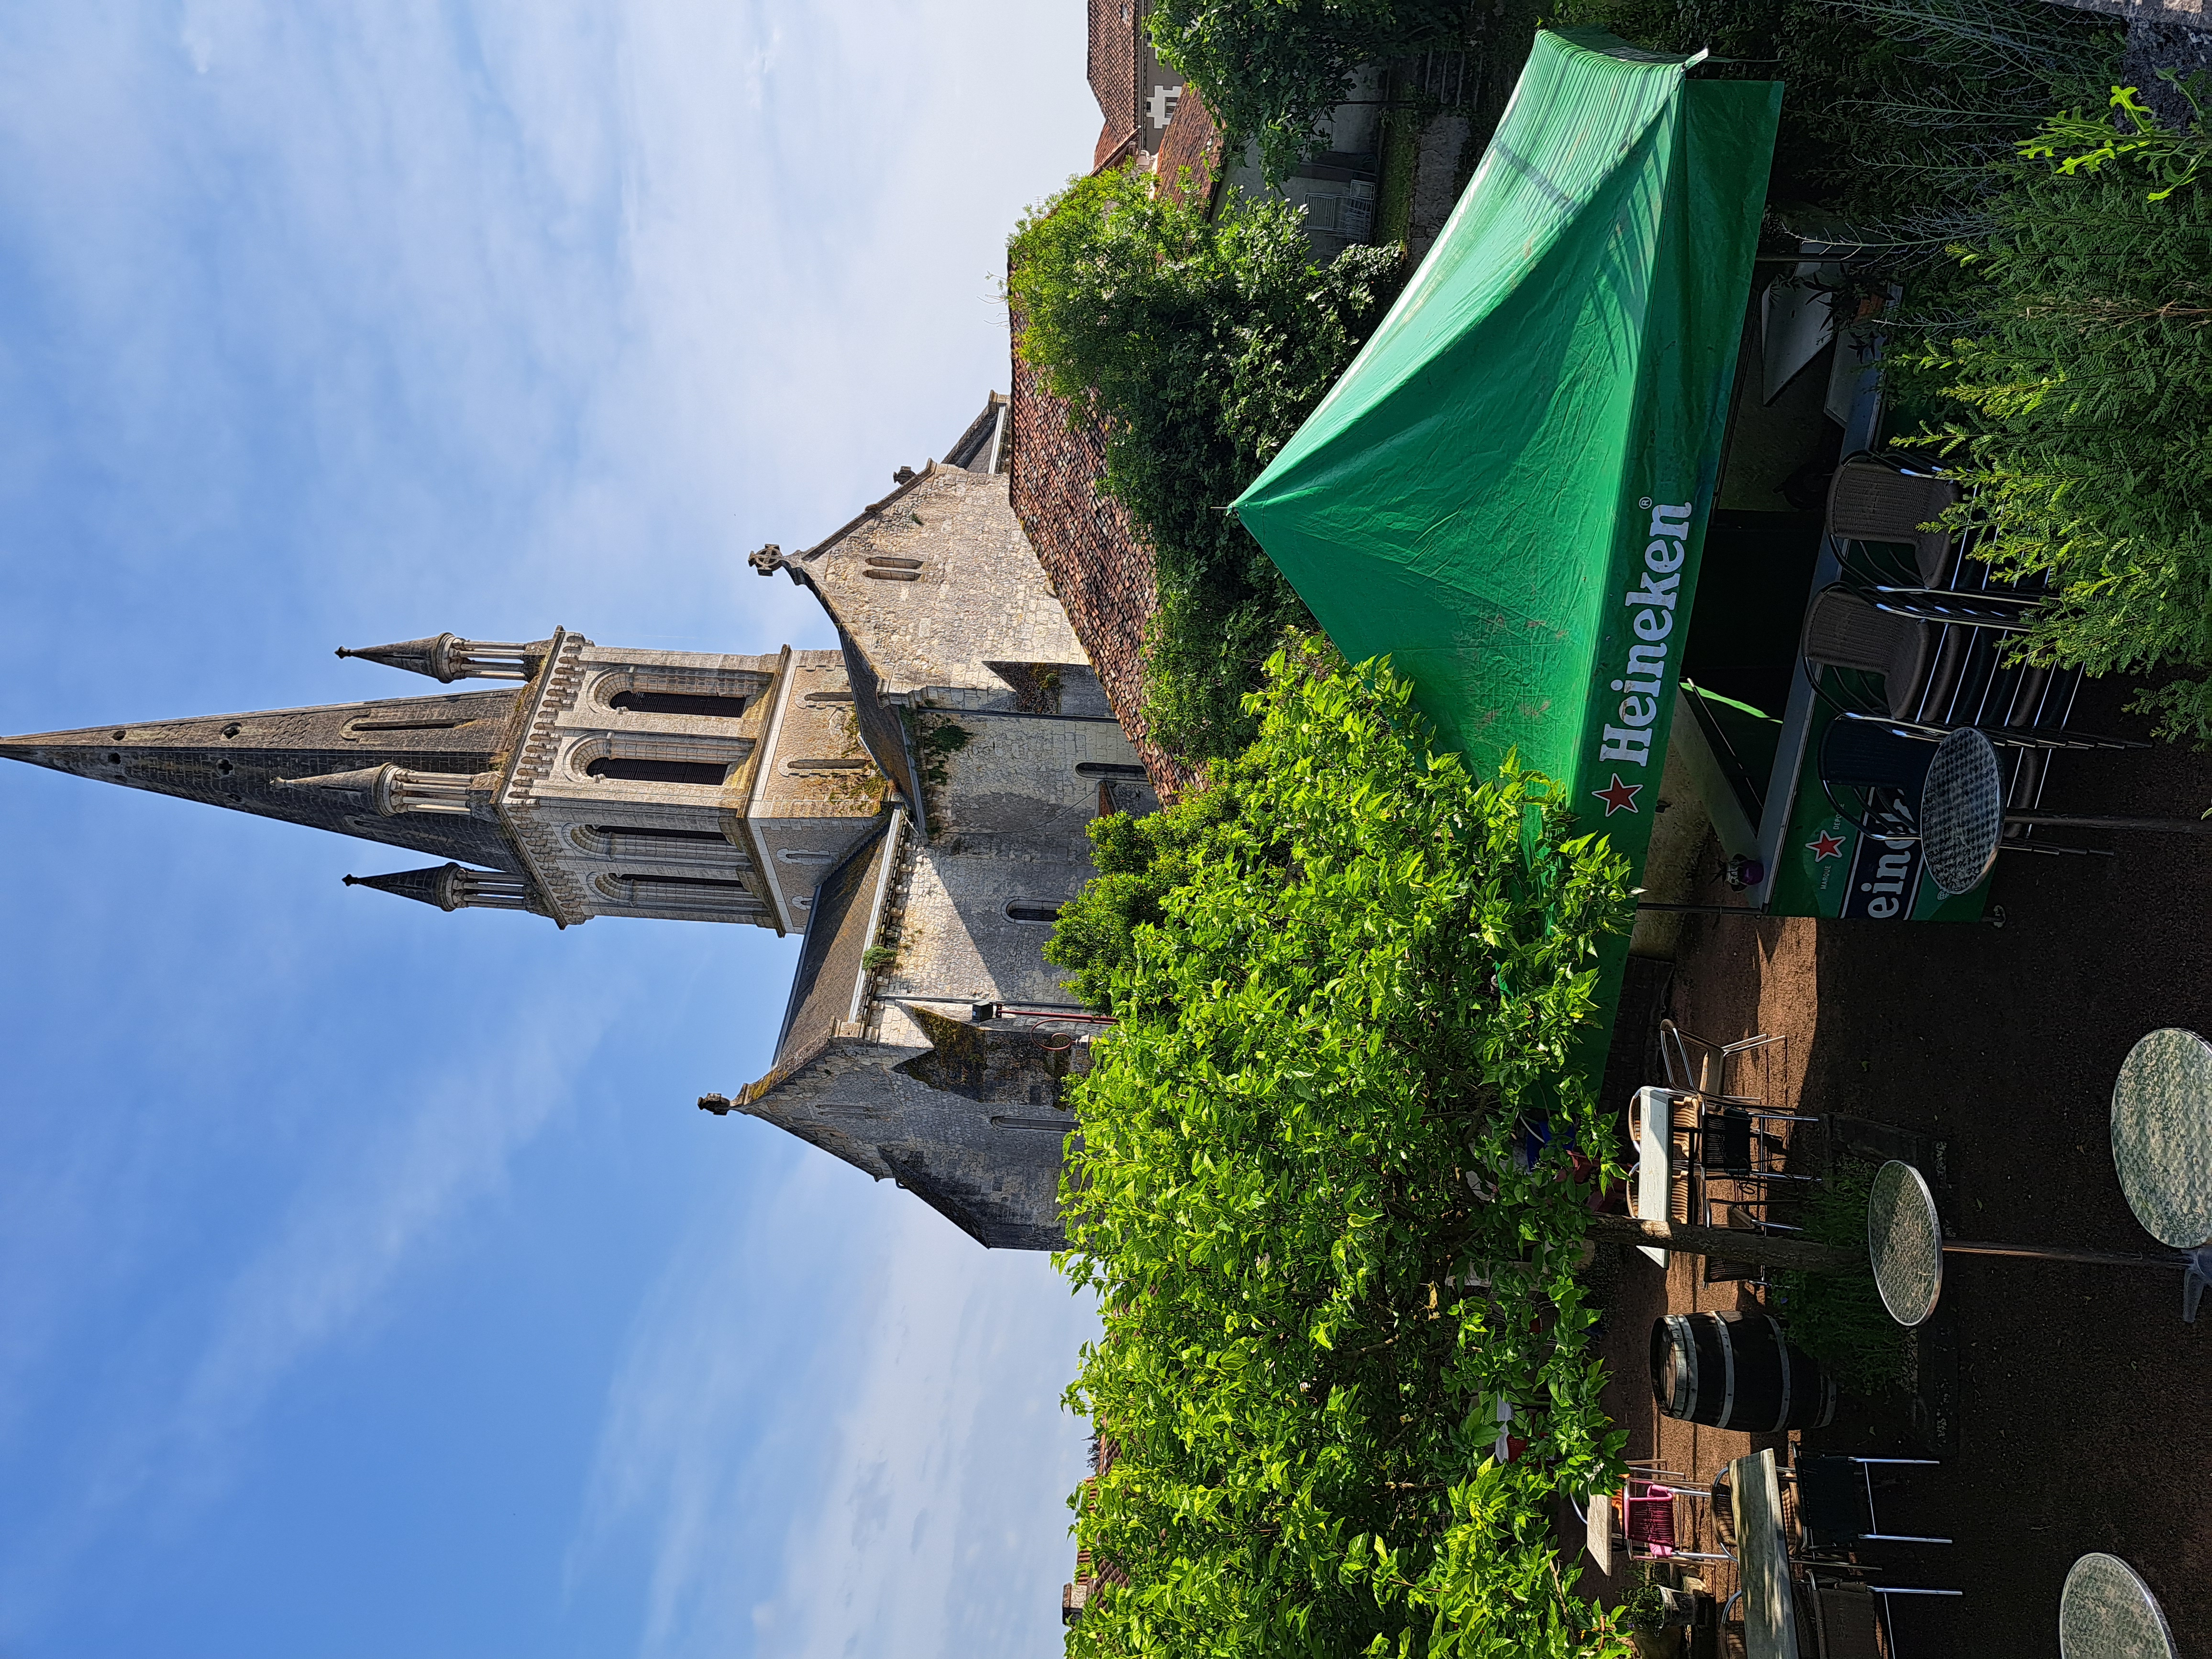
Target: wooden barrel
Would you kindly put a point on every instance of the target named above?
(1737, 1370)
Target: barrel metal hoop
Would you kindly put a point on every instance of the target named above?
(1781, 1358)
(1727, 1372)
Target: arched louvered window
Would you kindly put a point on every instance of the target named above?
(884, 568)
(1033, 913)
(715, 836)
(805, 855)
(818, 699)
(679, 703)
(623, 841)
(622, 768)
(701, 895)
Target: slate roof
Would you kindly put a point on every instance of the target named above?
(234, 760)
(840, 927)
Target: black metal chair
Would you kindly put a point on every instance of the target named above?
(1836, 1504)
(1933, 663)
(1877, 502)
(1881, 768)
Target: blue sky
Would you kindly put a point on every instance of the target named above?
(368, 1283)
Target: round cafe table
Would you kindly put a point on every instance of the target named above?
(2162, 1146)
(2106, 1612)
(1962, 815)
(1904, 1242)
(1905, 1246)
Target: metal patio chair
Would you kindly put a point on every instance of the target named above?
(1874, 502)
(1836, 1504)
(1932, 664)
(1697, 1065)
(1647, 1521)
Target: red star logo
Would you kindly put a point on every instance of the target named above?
(1825, 845)
(1621, 798)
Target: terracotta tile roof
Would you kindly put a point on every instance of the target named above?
(1113, 67)
(1101, 571)
(1110, 150)
(1191, 140)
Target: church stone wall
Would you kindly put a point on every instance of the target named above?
(970, 1122)
(1009, 844)
(939, 583)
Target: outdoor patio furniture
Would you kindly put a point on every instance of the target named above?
(1640, 1517)
(1873, 500)
(1836, 1503)
(1679, 1133)
(1700, 1066)
(2162, 1148)
(1852, 1616)
(1762, 1550)
(1907, 1247)
(1849, 1621)
(1873, 660)
(1647, 1520)
(2107, 1611)
(1946, 795)
(1650, 1130)
(1883, 654)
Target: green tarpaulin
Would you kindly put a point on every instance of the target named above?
(1507, 491)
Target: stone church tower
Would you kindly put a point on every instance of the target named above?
(914, 804)
(670, 785)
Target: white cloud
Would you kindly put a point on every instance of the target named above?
(839, 1440)
(381, 1199)
(350, 322)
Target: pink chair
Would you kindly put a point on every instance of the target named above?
(1647, 1521)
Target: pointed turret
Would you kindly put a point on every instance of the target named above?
(432, 752)
(389, 790)
(452, 887)
(447, 658)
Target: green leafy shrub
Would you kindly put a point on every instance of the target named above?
(1273, 72)
(1838, 1317)
(2079, 382)
(1140, 860)
(1200, 345)
(2082, 143)
(1296, 1194)
(1894, 108)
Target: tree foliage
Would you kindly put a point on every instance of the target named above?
(1272, 70)
(2081, 381)
(1304, 1194)
(1895, 107)
(1199, 345)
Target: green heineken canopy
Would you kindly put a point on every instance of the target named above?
(1507, 491)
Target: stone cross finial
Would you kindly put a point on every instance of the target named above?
(767, 560)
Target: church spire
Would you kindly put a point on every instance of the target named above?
(452, 887)
(321, 767)
(391, 789)
(446, 658)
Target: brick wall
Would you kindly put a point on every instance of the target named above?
(1101, 572)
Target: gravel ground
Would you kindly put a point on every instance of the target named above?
(2085, 1405)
